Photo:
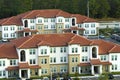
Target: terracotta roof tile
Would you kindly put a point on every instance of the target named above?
(84, 64)
(104, 46)
(17, 20)
(51, 40)
(80, 40)
(34, 66)
(23, 65)
(95, 62)
(8, 50)
(115, 49)
(12, 68)
(106, 63)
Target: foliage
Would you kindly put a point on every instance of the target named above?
(103, 77)
(97, 8)
(105, 31)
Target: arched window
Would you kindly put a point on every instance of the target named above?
(22, 55)
(94, 52)
(26, 23)
(73, 22)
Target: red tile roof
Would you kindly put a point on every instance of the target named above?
(23, 65)
(34, 66)
(49, 13)
(84, 64)
(51, 40)
(106, 63)
(115, 49)
(12, 68)
(104, 46)
(8, 50)
(95, 62)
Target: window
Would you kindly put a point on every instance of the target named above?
(84, 58)
(0, 63)
(67, 26)
(45, 26)
(63, 59)
(12, 28)
(40, 27)
(54, 69)
(74, 50)
(3, 73)
(92, 25)
(3, 63)
(32, 61)
(39, 20)
(60, 26)
(66, 19)
(86, 25)
(73, 22)
(63, 49)
(86, 31)
(5, 28)
(63, 69)
(59, 20)
(103, 57)
(12, 35)
(74, 59)
(52, 19)
(5, 34)
(22, 56)
(43, 61)
(0, 73)
(53, 26)
(26, 23)
(92, 31)
(20, 28)
(32, 20)
(43, 51)
(84, 49)
(114, 67)
(53, 59)
(79, 25)
(45, 20)
(44, 71)
(32, 27)
(52, 50)
(94, 52)
(74, 69)
(114, 57)
(32, 51)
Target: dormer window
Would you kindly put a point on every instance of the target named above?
(94, 52)
(22, 56)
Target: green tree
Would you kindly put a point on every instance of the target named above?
(94, 6)
(103, 9)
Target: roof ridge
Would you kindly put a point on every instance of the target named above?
(29, 13)
(112, 48)
(26, 41)
(8, 20)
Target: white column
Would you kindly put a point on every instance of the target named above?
(79, 70)
(28, 72)
(39, 71)
(100, 69)
(6, 74)
(20, 73)
(92, 70)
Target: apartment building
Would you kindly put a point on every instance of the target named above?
(41, 54)
(45, 22)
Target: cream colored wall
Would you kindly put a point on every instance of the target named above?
(73, 64)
